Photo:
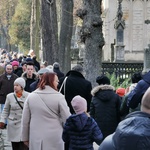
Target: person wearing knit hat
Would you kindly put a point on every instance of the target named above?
(16, 68)
(13, 113)
(102, 80)
(20, 81)
(79, 104)
(105, 105)
(81, 130)
(121, 91)
(15, 63)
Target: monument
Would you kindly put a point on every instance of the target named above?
(119, 26)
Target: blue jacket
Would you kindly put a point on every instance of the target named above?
(135, 96)
(80, 131)
(133, 133)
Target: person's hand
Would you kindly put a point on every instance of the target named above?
(2, 125)
(26, 143)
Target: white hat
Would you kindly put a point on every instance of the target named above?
(20, 81)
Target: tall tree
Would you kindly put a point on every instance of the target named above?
(35, 27)
(20, 25)
(49, 31)
(66, 34)
(91, 35)
(7, 9)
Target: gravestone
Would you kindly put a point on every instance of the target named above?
(147, 59)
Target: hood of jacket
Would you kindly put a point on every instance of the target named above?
(133, 132)
(78, 122)
(146, 77)
(103, 92)
(75, 73)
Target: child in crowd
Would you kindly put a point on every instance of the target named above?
(80, 130)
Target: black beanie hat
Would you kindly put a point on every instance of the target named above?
(102, 80)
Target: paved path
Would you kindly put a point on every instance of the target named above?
(7, 145)
(4, 144)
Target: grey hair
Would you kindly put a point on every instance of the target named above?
(78, 68)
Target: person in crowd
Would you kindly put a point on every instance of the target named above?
(75, 84)
(44, 114)
(33, 86)
(121, 92)
(13, 113)
(56, 68)
(16, 68)
(80, 130)
(105, 106)
(124, 109)
(135, 96)
(6, 84)
(133, 132)
(44, 64)
(36, 63)
(24, 66)
(29, 76)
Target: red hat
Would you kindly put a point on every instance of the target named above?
(15, 63)
(121, 91)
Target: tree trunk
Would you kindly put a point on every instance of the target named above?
(65, 34)
(49, 31)
(46, 31)
(92, 36)
(54, 27)
(69, 37)
(34, 27)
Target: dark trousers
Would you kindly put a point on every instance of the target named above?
(19, 146)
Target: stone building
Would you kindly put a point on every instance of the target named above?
(136, 32)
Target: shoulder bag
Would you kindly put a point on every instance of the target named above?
(18, 102)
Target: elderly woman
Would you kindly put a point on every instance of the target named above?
(13, 113)
(44, 113)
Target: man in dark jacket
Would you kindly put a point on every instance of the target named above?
(56, 69)
(29, 76)
(135, 96)
(6, 84)
(76, 84)
(105, 106)
(132, 133)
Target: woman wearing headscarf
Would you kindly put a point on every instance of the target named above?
(13, 113)
(44, 113)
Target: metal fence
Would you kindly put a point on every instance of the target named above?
(122, 70)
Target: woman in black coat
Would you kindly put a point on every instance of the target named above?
(105, 106)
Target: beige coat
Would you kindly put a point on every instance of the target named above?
(40, 126)
(13, 113)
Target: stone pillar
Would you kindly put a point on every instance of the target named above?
(119, 26)
(146, 59)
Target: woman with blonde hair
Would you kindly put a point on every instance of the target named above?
(44, 113)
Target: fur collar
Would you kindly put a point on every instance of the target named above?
(102, 87)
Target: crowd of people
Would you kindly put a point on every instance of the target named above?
(44, 109)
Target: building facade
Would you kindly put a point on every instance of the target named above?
(136, 32)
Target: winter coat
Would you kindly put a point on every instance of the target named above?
(42, 121)
(105, 107)
(135, 96)
(18, 71)
(6, 86)
(76, 84)
(131, 134)
(33, 86)
(13, 113)
(58, 72)
(29, 81)
(81, 131)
